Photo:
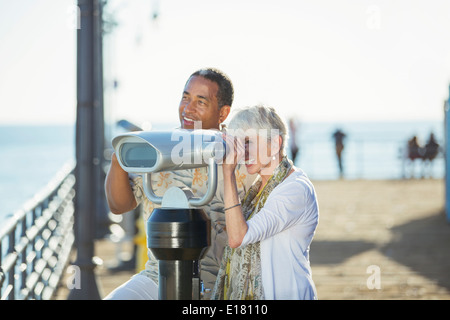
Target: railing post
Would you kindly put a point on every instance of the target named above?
(89, 141)
(11, 273)
(24, 267)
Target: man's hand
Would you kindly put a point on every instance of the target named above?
(118, 190)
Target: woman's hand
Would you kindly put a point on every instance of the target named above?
(235, 222)
(235, 153)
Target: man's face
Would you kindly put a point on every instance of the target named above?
(199, 106)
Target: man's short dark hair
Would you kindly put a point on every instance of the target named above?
(225, 94)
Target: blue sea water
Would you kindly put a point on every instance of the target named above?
(31, 155)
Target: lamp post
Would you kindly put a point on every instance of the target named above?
(89, 144)
(447, 151)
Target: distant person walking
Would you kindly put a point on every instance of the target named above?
(339, 136)
(293, 146)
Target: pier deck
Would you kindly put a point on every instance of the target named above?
(375, 240)
(396, 229)
(107, 281)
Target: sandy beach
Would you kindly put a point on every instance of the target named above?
(375, 240)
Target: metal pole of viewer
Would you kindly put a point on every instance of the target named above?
(89, 143)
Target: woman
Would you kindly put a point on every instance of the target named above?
(270, 232)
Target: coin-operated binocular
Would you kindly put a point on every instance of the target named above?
(178, 233)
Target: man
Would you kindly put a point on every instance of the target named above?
(339, 136)
(205, 103)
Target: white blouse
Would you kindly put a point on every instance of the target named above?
(285, 226)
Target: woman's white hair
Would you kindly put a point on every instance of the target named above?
(261, 117)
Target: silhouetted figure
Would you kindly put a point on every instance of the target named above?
(430, 152)
(339, 136)
(415, 151)
(293, 139)
(431, 148)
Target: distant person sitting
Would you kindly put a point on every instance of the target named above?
(415, 151)
(431, 150)
(339, 136)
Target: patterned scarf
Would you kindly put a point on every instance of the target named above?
(239, 276)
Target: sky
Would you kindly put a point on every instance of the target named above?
(322, 60)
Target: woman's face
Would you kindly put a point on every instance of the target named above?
(259, 151)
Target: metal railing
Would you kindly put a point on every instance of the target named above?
(35, 243)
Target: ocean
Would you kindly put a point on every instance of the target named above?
(31, 155)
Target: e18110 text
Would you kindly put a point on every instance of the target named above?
(241, 309)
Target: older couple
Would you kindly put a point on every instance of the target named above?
(263, 216)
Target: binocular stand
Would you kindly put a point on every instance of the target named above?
(178, 234)
(178, 238)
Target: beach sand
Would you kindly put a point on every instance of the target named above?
(375, 240)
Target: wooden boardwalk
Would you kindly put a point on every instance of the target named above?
(107, 280)
(375, 240)
(395, 230)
